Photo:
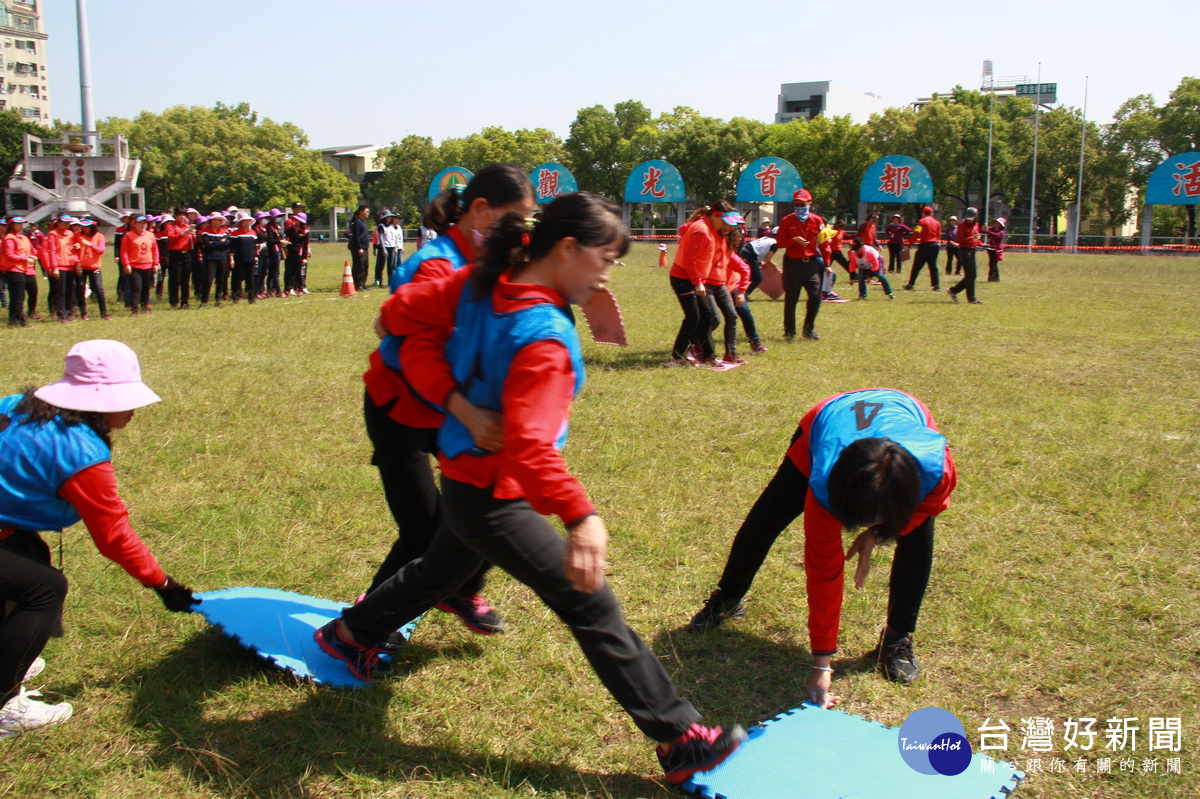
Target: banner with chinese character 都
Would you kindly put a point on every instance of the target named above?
(896, 179)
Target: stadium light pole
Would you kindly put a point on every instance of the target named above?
(1037, 103)
(990, 83)
(85, 75)
(1079, 182)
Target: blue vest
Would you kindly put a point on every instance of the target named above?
(873, 413)
(35, 460)
(441, 247)
(482, 348)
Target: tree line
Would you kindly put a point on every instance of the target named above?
(227, 155)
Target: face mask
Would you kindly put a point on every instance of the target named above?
(802, 212)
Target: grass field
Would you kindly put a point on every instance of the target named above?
(1064, 585)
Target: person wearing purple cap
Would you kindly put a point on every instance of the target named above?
(215, 260)
(701, 257)
(273, 252)
(56, 470)
(296, 260)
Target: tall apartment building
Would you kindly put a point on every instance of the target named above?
(24, 84)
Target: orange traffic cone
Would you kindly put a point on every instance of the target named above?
(662, 255)
(348, 282)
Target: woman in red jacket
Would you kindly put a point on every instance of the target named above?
(514, 349)
(139, 262)
(402, 426)
(19, 260)
(700, 262)
(91, 248)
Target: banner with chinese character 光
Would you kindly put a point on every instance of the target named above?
(450, 176)
(552, 180)
(768, 180)
(896, 179)
(654, 182)
(1175, 181)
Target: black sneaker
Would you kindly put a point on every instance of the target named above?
(896, 659)
(365, 663)
(952, 295)
(719, 607)
(908, 288)
(475, 613)
(811, 335)
(699, 749)
(392, 645)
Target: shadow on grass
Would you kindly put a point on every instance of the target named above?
(734, 675)
(191, 701)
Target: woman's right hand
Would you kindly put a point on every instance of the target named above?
(587, 552)
(701, 291)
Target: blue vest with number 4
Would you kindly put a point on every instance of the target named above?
(35, 460)
(442, 247)
(482, 348)
(873, 413)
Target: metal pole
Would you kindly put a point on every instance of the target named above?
(85, 75)
(1037, 103)
(1079, 183)
(987, 192)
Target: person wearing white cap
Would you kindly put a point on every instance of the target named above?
(995, 247)
(55, 470)
(243, 246)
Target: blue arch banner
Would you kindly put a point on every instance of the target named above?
(654, 182)
(896, 179)
(450, 176)
(552, 180)
(768, 179)
(1175, 181)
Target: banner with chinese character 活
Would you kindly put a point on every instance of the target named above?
(896, 179)
(654, 182)
(450, 176)
(552, 180)
(1175, 181)
(768, 180)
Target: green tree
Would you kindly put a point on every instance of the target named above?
(1179, 129)
(830, 154)
(226, 155)
(709, 153)
(408, 167)
(604, 146)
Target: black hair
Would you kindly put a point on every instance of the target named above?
(588, 218)
(499, 184)
(875, 482)
(38, 411)
(179, 211)
(857, 243)
(718, 207)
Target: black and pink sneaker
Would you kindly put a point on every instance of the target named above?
(475, 613)
(699, 749)
(365, 663)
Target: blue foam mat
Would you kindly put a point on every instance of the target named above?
(278, 626)
(829, 754)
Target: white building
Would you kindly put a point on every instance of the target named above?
(825, 98)
(23, 81)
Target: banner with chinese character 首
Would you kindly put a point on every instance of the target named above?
(768, 179)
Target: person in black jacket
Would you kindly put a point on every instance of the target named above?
(359, 243)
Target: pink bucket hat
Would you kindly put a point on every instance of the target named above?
(101, 376)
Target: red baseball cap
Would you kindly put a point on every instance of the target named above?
(802, 196)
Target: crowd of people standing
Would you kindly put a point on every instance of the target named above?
(228, 255)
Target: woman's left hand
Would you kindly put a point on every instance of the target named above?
(587, 546)
(380, 330)
(864, 544)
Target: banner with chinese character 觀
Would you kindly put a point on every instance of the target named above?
(1175, 181)
(896, 179)
(768, 180)
(450, 176)
(655, 182)
(552, 180)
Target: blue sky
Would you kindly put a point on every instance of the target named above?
(371, 71)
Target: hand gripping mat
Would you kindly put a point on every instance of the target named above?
(278, 626)
(828, 754)
(772, 281)
(604, 318)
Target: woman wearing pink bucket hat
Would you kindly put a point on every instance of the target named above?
(56, 470)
